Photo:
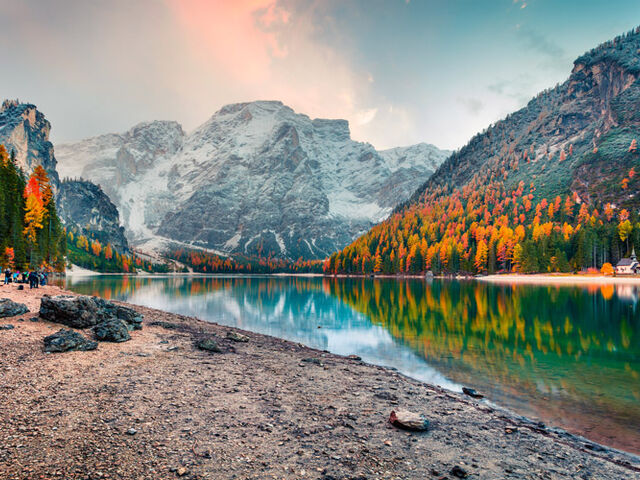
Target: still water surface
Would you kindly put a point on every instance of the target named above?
(567, 356)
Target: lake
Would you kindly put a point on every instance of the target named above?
(566, 356)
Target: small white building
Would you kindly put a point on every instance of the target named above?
(628, 266)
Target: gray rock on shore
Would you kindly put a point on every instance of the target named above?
(209, 345)
(83, 311)
(409, 420)
(112, 330)
(237, 337)
(9, 308)
(67, 340)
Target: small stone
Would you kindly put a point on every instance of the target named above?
(181, 471)
(132, 431)
(354, 357)
(237, 337)
(459, 472)
(166, 325)
(209, 345)
(8, 326)
(409, 420)
(315, 361)
(471, 392)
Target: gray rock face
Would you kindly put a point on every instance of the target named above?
(112, 330)
(25, 130)
(9, 308)
(256, 178)
(84, 205)
(83, 312)
(68, 340)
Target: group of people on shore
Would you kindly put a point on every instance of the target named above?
(33, 278)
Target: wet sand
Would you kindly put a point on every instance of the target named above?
(156, 407)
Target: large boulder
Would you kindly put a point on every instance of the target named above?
(9, 308)
(128, 315)
(67, 340)
(83, 311)
(76, 312)
(112, 330)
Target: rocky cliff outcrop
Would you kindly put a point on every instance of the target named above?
(256, 178)
(84, 205)
(25, 130)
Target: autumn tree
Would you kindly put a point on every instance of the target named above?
(34, 213)
(480, 260)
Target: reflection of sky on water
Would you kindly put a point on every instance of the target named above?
(296, 316)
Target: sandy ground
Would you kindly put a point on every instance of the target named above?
(258, 410)
(561, 279)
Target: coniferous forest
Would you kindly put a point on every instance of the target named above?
(31, 235)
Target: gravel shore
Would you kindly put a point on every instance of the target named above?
(157, 407)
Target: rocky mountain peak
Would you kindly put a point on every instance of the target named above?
(25, 130)
(256, 178)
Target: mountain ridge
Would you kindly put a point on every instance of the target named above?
(308, 188)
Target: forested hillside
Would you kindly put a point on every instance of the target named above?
(552, 187)
(30, 232)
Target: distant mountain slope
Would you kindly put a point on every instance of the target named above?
(593, 115)
(85, 205)
(256, 178)
(551, 187)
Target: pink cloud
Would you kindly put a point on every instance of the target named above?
(240, 37)
(258, 49)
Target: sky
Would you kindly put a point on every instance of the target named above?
(400, 71)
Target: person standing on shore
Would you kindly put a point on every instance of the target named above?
(33, 280)
(7, 276)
